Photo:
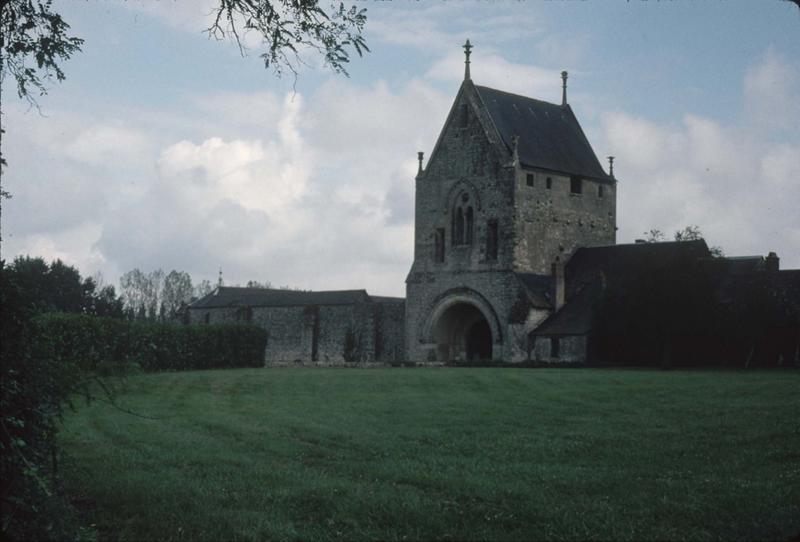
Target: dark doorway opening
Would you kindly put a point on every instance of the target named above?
(463, 334)
(479, 341)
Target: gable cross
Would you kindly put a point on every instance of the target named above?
(467, 52)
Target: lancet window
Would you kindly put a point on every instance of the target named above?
(463, 220)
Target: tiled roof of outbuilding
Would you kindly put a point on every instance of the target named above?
(230, 296)
(629, 259)
(588, 265)
(539, 289)
(549, 134)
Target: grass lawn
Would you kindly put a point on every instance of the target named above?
(451, 454)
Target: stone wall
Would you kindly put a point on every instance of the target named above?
(553, 222)
(324, 334)
(390, 331)
(571, 349)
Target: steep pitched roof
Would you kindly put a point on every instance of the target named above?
(539, 289)
(227, 296)
(575, 317)
(587, 268)
(631, 259)
(549, 134)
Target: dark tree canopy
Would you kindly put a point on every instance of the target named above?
(34, 42)
(59, 287)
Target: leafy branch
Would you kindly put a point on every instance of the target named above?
(285, 27)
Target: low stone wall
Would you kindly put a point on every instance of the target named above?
(570, 349)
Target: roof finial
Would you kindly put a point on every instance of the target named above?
(564, 88)
(420, 156)
(611, 166)
(219, 280)
(467, 52)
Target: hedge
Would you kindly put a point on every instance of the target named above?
(94, 342)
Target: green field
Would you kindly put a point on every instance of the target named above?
(451, 454)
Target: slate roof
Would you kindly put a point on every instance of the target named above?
(575, 317)
(539, 289)
(584, 277)
(549, 134)
(744, 264)
(627, 259)
(230, 296)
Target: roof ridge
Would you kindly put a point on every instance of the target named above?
(519, 96)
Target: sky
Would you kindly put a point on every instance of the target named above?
(164, 149)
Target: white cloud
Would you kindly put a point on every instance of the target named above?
(497, 72)
(316, 190)
(771, 90)
(729, 179)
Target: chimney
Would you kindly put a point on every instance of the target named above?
(772, 262)
(420, 156)
(563, 89)
(558, 274)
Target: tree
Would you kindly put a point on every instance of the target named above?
(256, 284)
(286, 26)
(177, 293)
(202, 289)
(689, 233)
(59, 287)
(34, 42)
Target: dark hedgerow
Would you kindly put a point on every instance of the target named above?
(93, 342)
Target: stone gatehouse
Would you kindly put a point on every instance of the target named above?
(511, 193)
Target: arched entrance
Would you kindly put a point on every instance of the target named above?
(462, 334)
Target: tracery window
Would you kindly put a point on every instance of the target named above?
(463, 221)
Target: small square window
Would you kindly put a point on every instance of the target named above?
(529, 179)
(549, 183)
(575, 185)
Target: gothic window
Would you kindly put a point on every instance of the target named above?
(458, 227)
(491, 241)
(469, 229)
(463, 221)
(438, 241)
(575, 185)
(600, 191)
(529, 179)
(549, 183)
(464, 115)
